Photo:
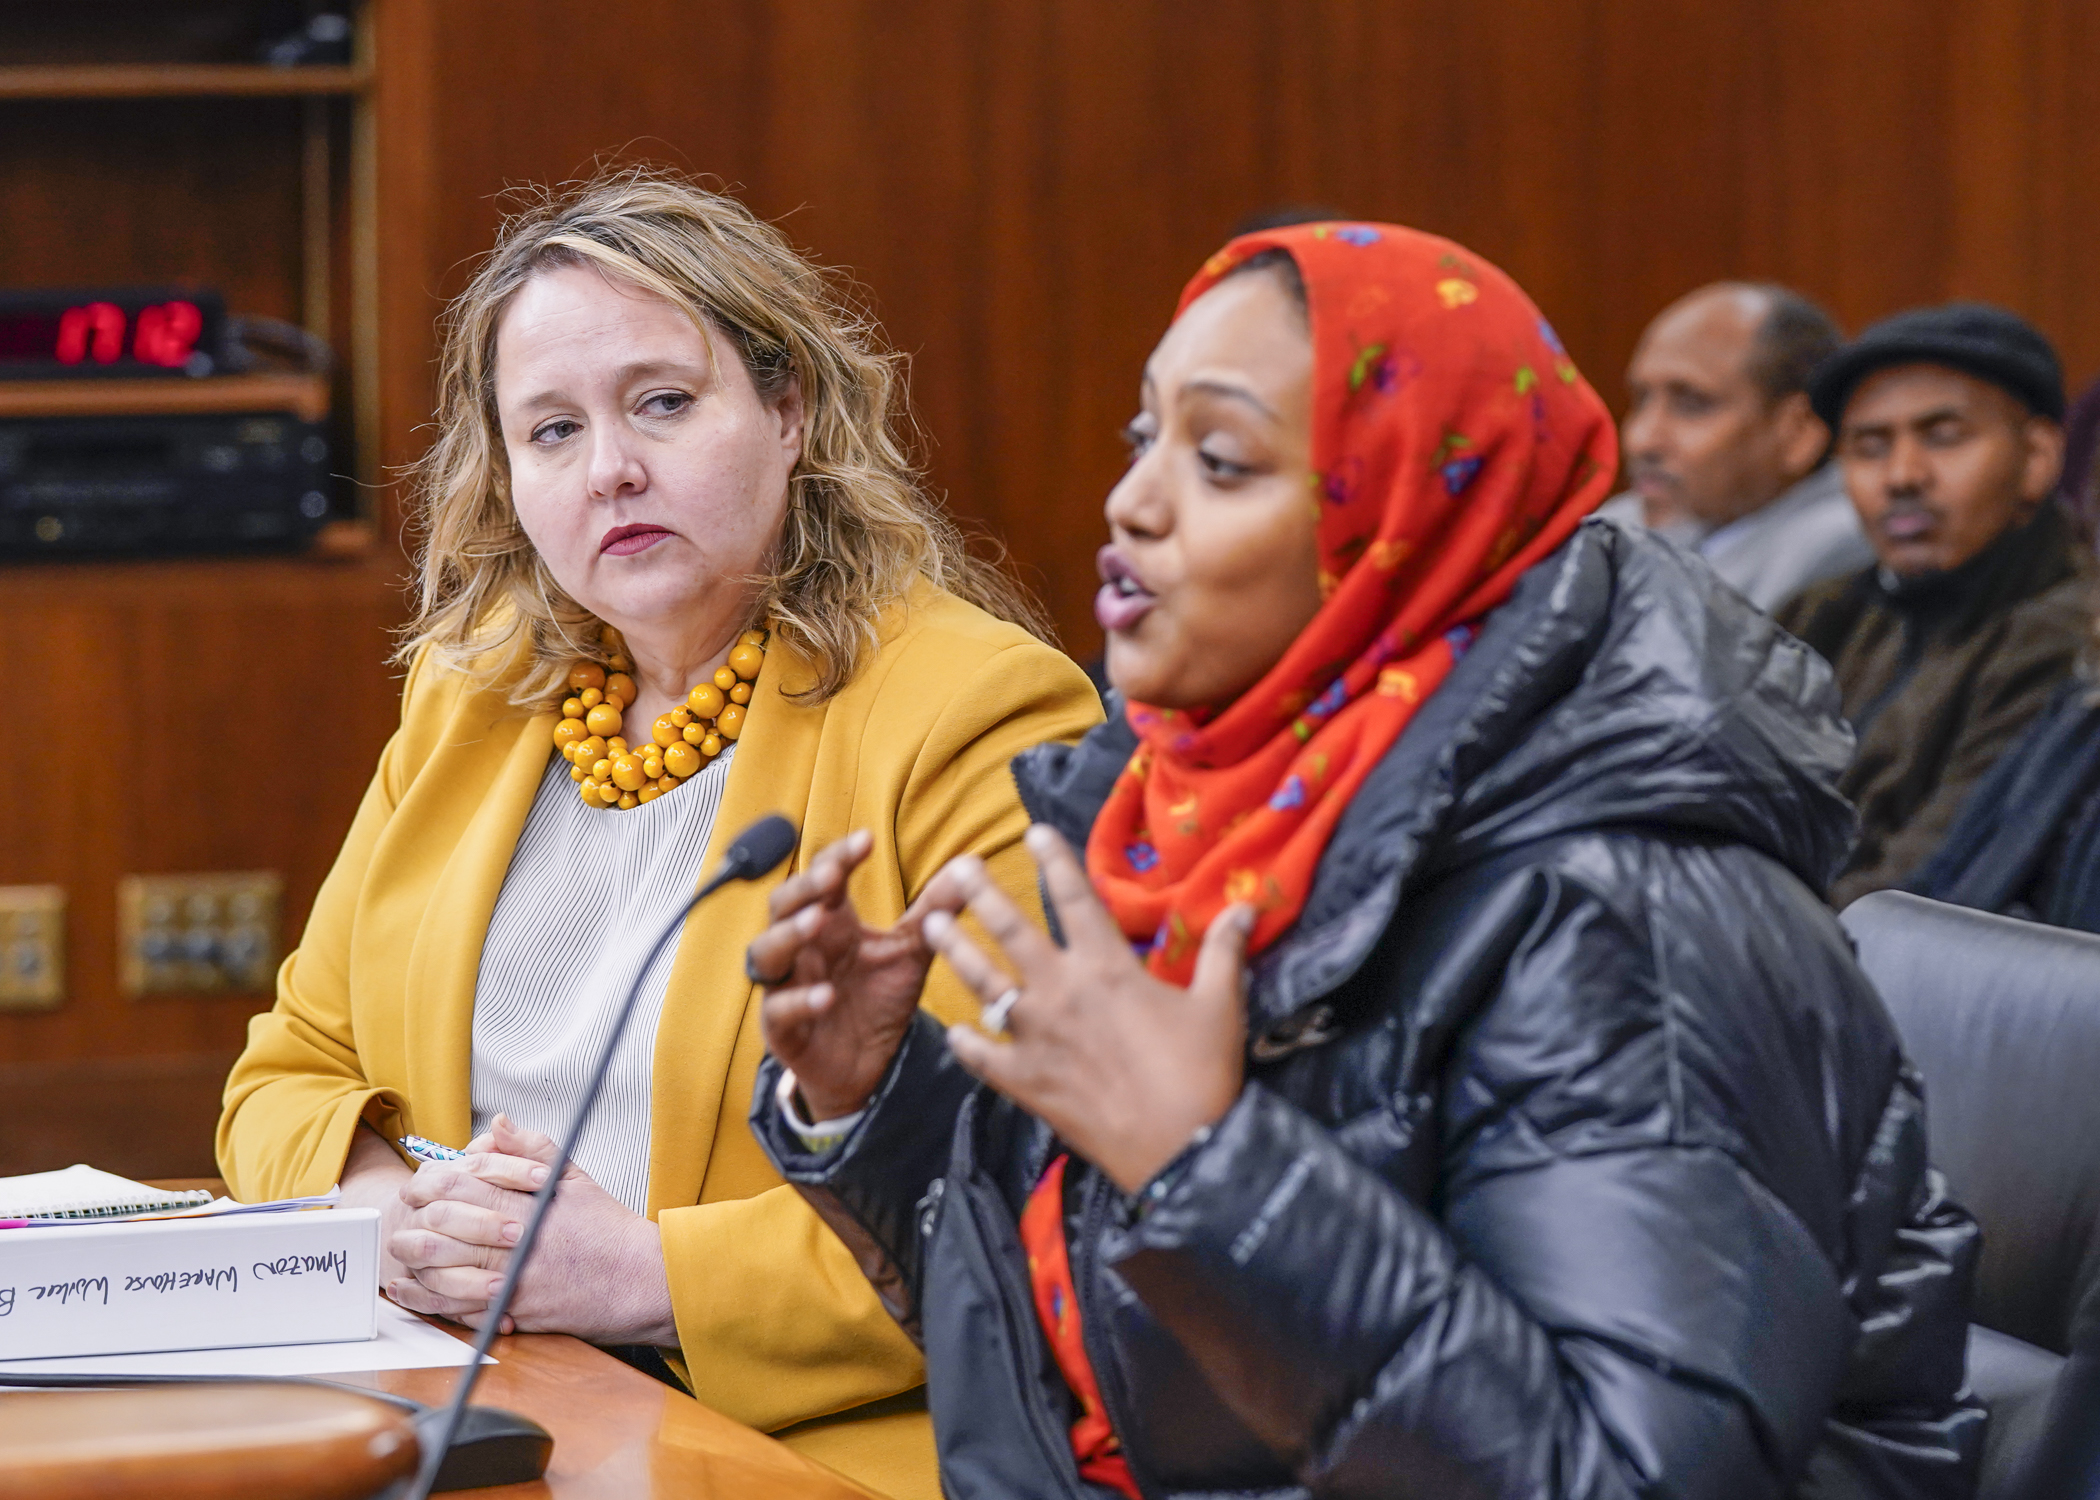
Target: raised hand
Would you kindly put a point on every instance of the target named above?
(598, 1272)
(1124, 1067)
(841, 994)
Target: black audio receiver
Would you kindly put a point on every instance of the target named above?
(160, 484)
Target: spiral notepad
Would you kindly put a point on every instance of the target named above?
(84, 1193)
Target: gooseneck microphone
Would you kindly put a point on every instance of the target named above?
(758, 850)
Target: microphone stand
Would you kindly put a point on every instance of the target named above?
(757, 851)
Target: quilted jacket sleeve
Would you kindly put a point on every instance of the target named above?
(869, 1186)
(1614, 1292)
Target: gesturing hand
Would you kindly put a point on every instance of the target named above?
(1124, 1067)
(842, 993)
(598, 1272)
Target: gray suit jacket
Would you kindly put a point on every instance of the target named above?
(1806, 536)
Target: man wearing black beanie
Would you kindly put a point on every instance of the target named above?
(1948, 422)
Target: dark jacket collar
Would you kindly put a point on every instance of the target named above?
(2021, 562)
(1621, 685)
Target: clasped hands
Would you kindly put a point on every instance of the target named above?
(598, 1271)
(1123, 1066)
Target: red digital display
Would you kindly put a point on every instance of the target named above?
(142, 332)
(163, 334)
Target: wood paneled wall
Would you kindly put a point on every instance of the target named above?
(1022, 185)
(236, 709)
(1020, 188)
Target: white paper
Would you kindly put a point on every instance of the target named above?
(79, 1190)
(405, 1342)
(219, 1208)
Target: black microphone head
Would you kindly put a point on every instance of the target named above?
(759, 848)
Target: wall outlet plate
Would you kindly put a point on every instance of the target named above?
(198, 934)
(32, 947)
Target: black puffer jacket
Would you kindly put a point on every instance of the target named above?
(1576, 1157)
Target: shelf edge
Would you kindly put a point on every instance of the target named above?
(177, 81)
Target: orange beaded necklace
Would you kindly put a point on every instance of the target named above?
(680, 742)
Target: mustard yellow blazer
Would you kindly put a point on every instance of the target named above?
(374, 1012)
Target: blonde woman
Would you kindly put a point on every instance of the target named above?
(677, 573)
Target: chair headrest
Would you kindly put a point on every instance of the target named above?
(2002, 1018)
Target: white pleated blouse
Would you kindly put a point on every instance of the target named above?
(587, 892)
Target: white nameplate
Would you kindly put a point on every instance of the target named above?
(225, 1283)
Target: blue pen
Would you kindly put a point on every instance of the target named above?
(423, 1150)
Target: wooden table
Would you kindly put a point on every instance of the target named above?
(618, 1435)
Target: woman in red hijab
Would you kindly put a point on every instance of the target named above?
(1445, 1080)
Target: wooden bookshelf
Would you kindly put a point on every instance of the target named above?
(178, 81)
(332, 113)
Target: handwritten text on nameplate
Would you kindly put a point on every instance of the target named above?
(159, 1283)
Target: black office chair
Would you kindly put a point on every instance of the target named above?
(2003, 1019)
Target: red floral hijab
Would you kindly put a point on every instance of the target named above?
(1454, 445)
